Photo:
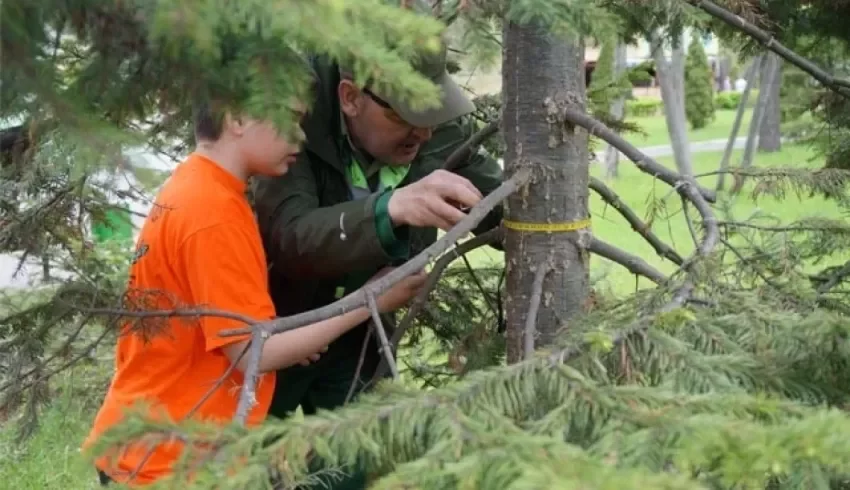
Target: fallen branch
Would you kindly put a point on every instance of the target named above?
(633, 263)
(838, 85)
(610, 197)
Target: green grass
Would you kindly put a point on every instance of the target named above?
(655, 128)
(51, 459)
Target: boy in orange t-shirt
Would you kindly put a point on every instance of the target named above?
(200, 248)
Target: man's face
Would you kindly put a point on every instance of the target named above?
(377, 129)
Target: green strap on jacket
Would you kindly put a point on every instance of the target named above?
(389, 177)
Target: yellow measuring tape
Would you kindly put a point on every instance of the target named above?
(547, 227)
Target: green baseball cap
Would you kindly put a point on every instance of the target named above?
(453, 103)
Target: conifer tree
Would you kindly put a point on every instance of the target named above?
(699, 90)
(731, 373)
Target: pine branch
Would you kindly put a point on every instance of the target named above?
(632, 263)
(610, 197)
(839, 86)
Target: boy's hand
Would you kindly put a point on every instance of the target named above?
(313, 357)
(401, 293)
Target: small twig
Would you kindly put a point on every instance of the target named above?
(357, 300)
(691, 228)
(531, 320)
(633, 263)
(360, 362)
(248, 395)
(378, 325)
(463, 151)
(837, 85)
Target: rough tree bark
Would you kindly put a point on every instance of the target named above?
(739, 117)
(541, 75)
(770, 136)
(671, 76)
(612, 156)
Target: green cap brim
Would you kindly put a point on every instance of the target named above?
(454, 104)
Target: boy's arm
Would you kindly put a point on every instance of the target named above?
(225, 273)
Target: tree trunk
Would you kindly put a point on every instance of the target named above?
(612, 156)
(541, 74)
(739, 117)
(767, 73)
(671, 81)
(770, 136)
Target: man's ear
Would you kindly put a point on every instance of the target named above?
(350, 100)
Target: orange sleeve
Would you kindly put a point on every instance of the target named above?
(225, 273)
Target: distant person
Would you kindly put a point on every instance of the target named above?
(201, 247)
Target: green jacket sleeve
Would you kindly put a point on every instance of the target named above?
(480, 168)
(304, 240)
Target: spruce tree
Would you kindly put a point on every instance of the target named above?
(699, 90)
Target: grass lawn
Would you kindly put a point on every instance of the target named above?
(655, 128)
(51, 459)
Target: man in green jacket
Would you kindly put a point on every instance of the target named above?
(367, 192)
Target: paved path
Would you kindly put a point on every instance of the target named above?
(32, 270)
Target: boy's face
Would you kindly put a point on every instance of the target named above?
(267, 152)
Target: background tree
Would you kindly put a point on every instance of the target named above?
(699, 93)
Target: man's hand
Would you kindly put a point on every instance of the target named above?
(433, 201)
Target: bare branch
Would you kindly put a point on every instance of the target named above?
(359, 369)
(643, 161)
(531, 319)
(464, 150)
(633, 263)
(609, 196)
(357, 299)
(378, 325)
(839, 86)
(248, 395)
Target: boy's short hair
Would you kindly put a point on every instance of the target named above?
(209, 122)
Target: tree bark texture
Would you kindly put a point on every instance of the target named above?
(612, 156)
(671, 77)
(770, 136)
(541, 75)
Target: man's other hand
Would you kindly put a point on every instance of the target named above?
(435, 200)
